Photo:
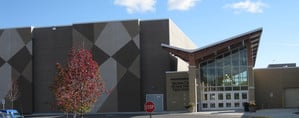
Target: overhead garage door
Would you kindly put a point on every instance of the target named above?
(292, 97)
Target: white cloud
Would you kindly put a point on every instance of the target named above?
(181, 4)
(247, 6)
(134, 6)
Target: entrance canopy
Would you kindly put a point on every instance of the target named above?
(249, 39)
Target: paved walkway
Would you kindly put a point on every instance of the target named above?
(265, 113)
(274, 113)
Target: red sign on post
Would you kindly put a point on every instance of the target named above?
(149, 106)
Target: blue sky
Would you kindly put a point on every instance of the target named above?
(203, 21)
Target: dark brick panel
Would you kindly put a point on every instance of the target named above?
(49, 47)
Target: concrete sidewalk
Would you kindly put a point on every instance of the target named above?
(273, 113)
(264, 113)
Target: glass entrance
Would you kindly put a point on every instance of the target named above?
(224, 80)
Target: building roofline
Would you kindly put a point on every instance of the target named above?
(194, 56)
(211, 45)
(231, 38)
(276, 68)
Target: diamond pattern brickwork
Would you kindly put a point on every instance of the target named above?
(113, 37)
(1, 61)
(86, 30)
(18, 64)
(15, 57)
(116, 48)
(99, 55)
(80, 40)
(25, 34)
(131, 27)
(127, 54)
(98, 28)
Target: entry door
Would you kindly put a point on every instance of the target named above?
(221, 100)
(157, 99)
(292, 97)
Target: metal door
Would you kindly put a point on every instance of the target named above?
(157, 99)
(292, 97)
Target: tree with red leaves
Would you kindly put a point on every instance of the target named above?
(13, 93)
(79, 84)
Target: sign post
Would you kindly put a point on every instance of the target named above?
(149, 107)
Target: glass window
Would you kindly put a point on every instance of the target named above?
(236, 96)
(244, 87)
(228, 96)
(211, 73)
(227, 69)
(228, 88)
(243, 78)
(205, 97)
(220, 88)
(237, 104)
(203, 73)
(244, 95)
(228, 104)
(205, 89)
(227, 81)
(212, 96)
(219, 71)
(205, 105)
(236, 88)
(220, 96)
(212, 88)
(212, 105)
(235, 68)
(220, 105)
(243, 57)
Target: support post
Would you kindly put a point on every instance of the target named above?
(251, 86)
(193, 88)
